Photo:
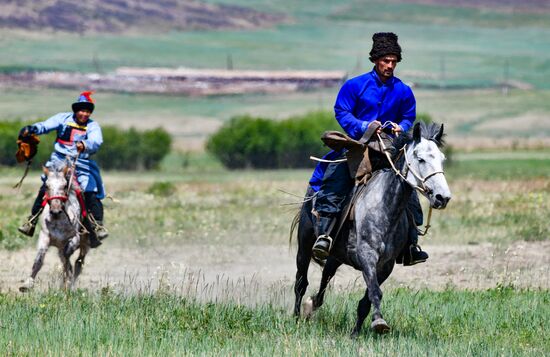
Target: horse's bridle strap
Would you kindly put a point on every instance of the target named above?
(47, 199)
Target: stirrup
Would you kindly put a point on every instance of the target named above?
(408, 258)
(99, 229)
(321, 248)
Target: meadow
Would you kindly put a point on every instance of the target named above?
(501, 321)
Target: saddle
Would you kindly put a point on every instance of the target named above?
(362, 155)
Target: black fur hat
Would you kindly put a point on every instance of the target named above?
(384, 43)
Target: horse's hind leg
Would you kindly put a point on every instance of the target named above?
(328, 273)
(303, 257)
(43, 243)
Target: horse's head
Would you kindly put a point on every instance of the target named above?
(56, 189)
(424, 162)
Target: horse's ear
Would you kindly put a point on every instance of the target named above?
(45, 170)
(439, 134)
(417, 135)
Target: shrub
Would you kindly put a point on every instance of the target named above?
(162, 189)
(246, 142)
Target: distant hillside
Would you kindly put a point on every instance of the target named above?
(526, 6)
(475, 13)
(123, 15)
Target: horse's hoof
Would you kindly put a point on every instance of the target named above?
(307, 308)
(27, 285)
(380, 326)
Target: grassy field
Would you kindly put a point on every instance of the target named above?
(496, 322)
(497, 197)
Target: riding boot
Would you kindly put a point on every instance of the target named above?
(413, 253)
(323, 244)
(92, 237)
(29, 226)
(95, 213)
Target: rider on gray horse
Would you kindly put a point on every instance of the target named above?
(376, 96)
(78, 137)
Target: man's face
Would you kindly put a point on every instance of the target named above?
(385, 66)
(82, 116)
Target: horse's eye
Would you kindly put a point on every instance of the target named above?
(421, 160)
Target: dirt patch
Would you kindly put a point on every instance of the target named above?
(214, 273)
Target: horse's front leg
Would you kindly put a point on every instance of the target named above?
(368, 259)
(71, 246)
(43, 244)
(67, 270)
(79, 263)
(365, 303)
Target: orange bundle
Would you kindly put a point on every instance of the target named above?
(27, 147)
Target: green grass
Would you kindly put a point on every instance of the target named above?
(497, 322)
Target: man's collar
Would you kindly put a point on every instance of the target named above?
(389, 82)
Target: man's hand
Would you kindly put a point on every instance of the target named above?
(397, 129)
(80, 147)
(379, 130)
(27, 130)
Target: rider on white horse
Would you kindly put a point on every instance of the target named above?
(78, 137)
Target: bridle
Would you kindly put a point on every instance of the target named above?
(403, 151)
(422, 188)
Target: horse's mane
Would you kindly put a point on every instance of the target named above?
(428, 132)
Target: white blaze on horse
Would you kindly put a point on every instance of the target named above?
(60, 226)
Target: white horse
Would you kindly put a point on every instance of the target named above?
(60, 226)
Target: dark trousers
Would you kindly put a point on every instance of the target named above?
(336, 186)
(93, 205)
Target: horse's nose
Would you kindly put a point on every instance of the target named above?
(442, 200)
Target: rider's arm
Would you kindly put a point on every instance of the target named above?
(94, 138)
(50, 124)
(343, 110)
(408, 110)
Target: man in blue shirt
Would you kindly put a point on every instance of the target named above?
(374, 96)
(77, 136)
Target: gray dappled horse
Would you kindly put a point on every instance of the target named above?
(60, 227)
(378, 234)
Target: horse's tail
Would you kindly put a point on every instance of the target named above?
(293, 225)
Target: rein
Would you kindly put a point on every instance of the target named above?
(422, 189)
